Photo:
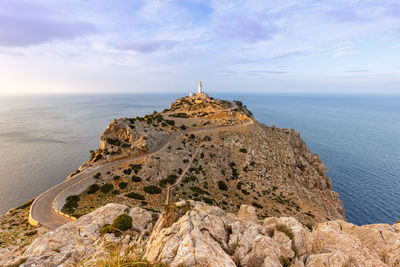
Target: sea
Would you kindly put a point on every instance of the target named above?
(43, 138)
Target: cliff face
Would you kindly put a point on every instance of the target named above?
(194, 234)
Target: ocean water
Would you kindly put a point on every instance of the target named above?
(44, 138)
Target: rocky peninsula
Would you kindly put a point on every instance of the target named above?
(201, 183)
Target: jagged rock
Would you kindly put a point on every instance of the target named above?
(193, 234)
(247, 213)
(78, 239)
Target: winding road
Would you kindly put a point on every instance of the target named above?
(41, 211)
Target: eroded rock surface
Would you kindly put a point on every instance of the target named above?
(191, 233)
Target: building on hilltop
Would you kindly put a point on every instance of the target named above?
(200, 93)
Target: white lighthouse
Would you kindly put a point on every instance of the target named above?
(200, 94)
(200, 88)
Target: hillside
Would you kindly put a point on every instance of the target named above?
(212, 151)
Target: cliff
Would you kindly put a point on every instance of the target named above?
(212, 151)
(195, 234)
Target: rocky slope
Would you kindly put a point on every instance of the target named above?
(191, 233)
(220, 155)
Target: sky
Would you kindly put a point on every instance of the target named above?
(143, 46)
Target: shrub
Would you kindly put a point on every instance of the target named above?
(199, 190)
(31, 233)
(135, 196)
(122, 222)
(243, 150)
(171, 179)
(180, 115)
(113, 141)
(136, 178)
(97, 175)
(152, 189)
(106, 188)
(126, 145)
(255, 204)
(136, 167)
(93, 189)
(208, 200)
(183, 127)
(123, 185)
(70, 204)
(285, 261)
(245, 192)
(116, 177)
(191, 178)
(115, 192)
(222, 186)
(127, 171)
(170, 122)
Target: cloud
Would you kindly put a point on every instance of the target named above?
(148, 46)
(260, 72)
(25, 24)
(355, 71)
(249, 30)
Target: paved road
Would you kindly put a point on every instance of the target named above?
(41, 209)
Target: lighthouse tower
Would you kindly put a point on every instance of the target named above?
(200, 88)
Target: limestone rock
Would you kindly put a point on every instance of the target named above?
(78, 239)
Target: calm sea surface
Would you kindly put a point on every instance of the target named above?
(44, 138)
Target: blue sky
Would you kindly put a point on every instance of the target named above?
(167, 46)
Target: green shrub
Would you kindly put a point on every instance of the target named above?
(171, 179)
(126, 145)
(222, 186)
(115, 192)
(113, 141)
(170, 122)
(70, 204)
(245, 192)
(199, 190)
(93, 189)
(106, 188)
(183, 127)
(136, 178)
(135, 196)
(179, 115)
(116, 177)
(122, 222)
(285, 261)
(31, 233)
(127, 171)
(123, 185)
(243, 150)
(136, 167)
(191, 178)
(97, 175)
(208, 200)
(152, 189)
(255, 204)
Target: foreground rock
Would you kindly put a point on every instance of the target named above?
(193, 234)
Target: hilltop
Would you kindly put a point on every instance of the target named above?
(220, 155)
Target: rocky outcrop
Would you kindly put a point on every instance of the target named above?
(80, 239)
(191, 233)
(207, 236)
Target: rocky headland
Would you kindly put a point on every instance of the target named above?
(201, 184)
